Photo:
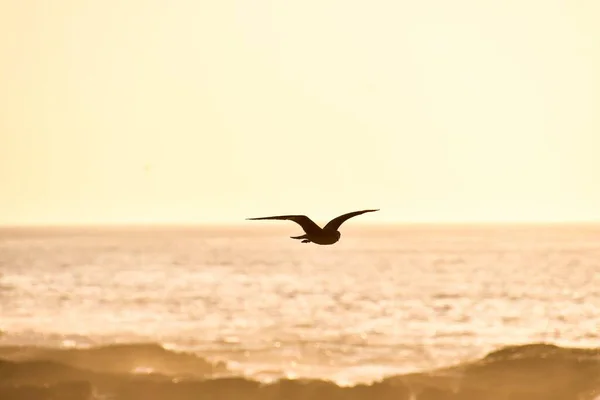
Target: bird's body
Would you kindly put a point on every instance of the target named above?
(313, 232)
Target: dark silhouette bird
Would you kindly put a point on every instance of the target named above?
(314, 233)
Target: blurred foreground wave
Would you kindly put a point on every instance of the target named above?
(150, 372)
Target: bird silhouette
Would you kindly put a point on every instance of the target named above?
(313, 232)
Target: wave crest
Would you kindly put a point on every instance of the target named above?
(528, 372)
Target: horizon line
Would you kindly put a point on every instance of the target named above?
(243, 223)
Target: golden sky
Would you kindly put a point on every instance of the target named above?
(208, 111)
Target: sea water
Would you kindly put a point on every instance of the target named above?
(382, 301)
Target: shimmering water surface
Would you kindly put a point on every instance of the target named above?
(383, 300)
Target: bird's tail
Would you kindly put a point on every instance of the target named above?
(298, 237)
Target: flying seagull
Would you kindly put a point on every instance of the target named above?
(314, 233)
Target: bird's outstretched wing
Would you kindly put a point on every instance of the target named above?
(336, 222)
(306, 223)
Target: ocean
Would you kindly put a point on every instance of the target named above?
(249, 304)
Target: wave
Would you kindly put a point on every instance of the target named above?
(119, 359)
(526, 372)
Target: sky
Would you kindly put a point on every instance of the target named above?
(195, 111)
